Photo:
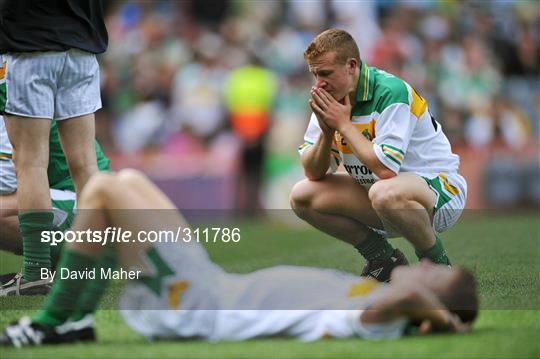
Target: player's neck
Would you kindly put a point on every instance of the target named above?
(352, 94)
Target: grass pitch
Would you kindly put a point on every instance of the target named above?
(503, 250)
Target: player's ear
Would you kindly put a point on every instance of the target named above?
(352, 64)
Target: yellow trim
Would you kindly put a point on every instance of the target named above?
(447, 185)
(175, 291)
(419, 105)
(343, 146)
(5, 156)
(365, 82)
(3, 70)
(364, 287)
(393, 153)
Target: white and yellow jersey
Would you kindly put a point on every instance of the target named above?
(300, 302)
(188, 296)
(396, 119)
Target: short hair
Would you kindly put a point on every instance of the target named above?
(461, 298)
(336, 40)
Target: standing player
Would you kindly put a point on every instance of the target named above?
(402, 175)
(49, 70)
(177, 292)
(63, 197)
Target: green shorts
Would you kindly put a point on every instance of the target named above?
(64, 205)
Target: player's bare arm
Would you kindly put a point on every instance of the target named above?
(418, 304)
(316, 159)
(337, 115)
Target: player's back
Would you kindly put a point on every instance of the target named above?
(303, 302)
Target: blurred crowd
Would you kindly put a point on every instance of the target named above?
(193, 76)
(167, 70)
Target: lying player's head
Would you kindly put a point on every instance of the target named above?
(455, 287)
(333, 58)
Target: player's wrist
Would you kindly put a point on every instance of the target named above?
(449, 322)
(345, 128)
(326, 138)
(329, 135)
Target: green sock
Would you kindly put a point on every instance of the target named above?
(62, 301)
(56, 252)
(437, 254)
(37, 254)
(95, 288)
(375, 247)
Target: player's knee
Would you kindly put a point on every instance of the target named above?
(99, 185)
(9, 205)
(27, 159)
(385, 196)
(131, 176)
(301, 196)
(81, 162)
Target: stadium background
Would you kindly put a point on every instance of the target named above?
(170, 110)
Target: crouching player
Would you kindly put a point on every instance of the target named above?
(180, 293)
(402, 176)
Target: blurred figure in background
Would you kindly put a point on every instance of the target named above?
(197, 93)
(250, 93)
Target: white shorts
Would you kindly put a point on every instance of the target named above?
(52, 85)
(451, 191)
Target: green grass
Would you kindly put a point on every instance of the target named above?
(502, 250)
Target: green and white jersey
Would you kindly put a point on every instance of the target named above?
(390, 113)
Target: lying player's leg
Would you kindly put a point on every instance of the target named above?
(406, 205)
(339, 206)
(104, 203)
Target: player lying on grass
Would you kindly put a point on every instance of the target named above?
(36, 254)
(180, 293)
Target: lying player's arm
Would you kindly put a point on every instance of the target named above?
(316, 158)
(337, 115)
(419, 305)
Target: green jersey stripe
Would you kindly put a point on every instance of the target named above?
(398, 162)
(392, 153)
(394, 148)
